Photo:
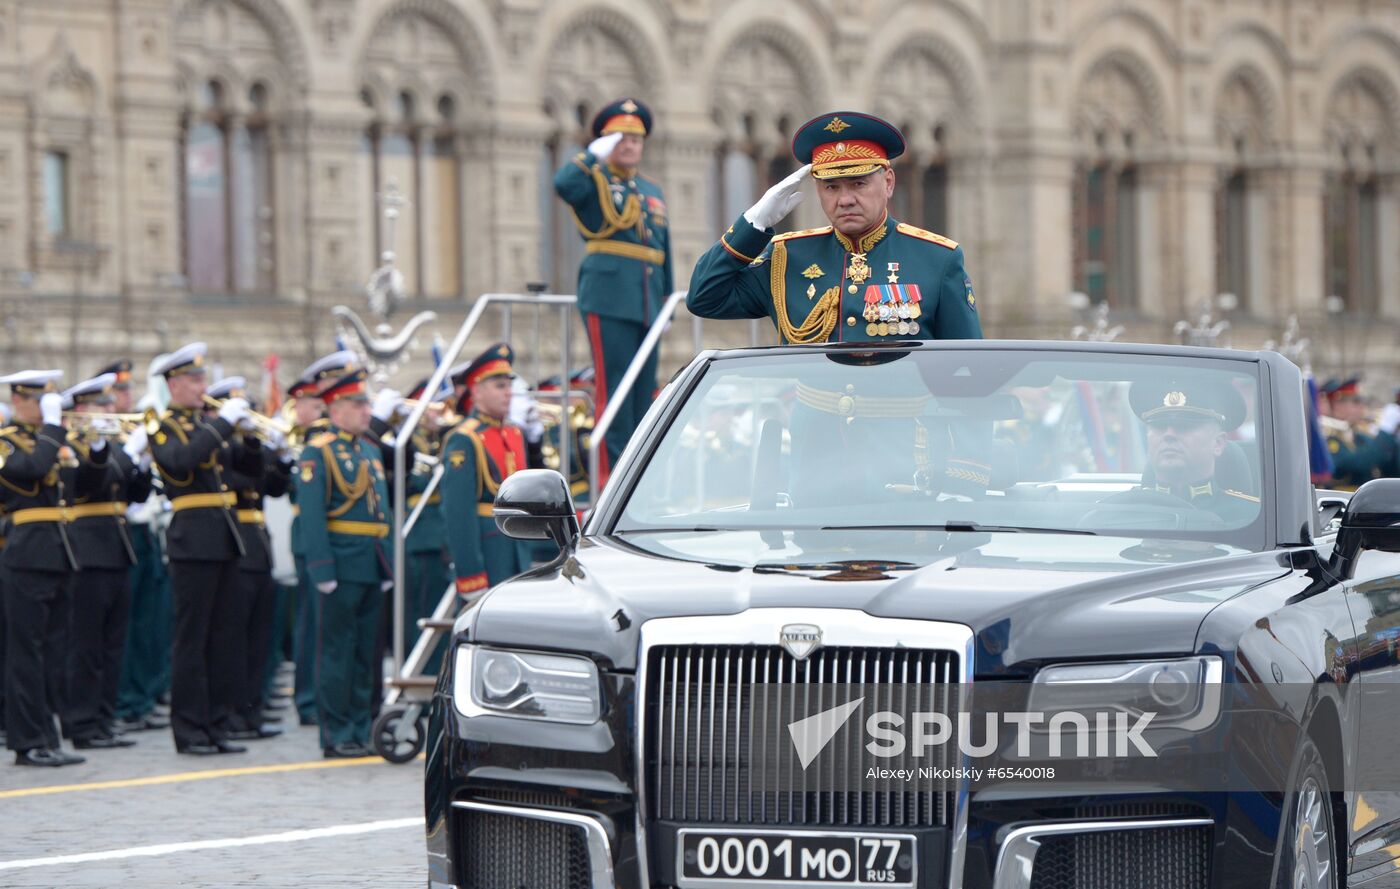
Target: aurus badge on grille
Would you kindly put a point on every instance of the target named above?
(800, 640)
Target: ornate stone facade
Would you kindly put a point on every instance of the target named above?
(181, 169)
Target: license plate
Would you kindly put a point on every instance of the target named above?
(758, 858)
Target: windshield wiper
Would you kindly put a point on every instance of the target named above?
(961, 526)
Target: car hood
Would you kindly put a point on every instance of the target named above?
(1028, 596)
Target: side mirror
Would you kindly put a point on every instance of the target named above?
(1371, 521)
(535, 504)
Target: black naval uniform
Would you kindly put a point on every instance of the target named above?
(193, 455)
(36, 564)
(259, 594)
(100, 599)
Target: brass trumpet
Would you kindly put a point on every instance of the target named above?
(87, 424)
(448, 417)
(263, 425)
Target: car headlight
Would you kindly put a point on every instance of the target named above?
(526, 685)
(1180, 693)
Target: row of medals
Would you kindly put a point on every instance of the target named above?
(885, 319)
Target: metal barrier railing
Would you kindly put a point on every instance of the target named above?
(403, 525)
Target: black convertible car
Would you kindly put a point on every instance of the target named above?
(726, 679)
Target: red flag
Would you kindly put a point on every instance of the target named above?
(272, 392)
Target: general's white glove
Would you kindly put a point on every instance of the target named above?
(235, 412)
(136, 445)
(778, 201)
(326, 586)
(386, 403)
(51, 409)
(603, 147)
(1390, 418)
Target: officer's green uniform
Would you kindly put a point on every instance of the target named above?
(627, 274)
(894, 282)
(1359, 453)
(343, 498)
(1186, 402)
(479, 454)
(426, 575)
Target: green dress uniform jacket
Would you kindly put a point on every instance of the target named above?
(343, 499)
(627, 272)
(1359, 455)
(480, 454)
(817, 285)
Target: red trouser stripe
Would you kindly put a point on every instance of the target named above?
(600, 393)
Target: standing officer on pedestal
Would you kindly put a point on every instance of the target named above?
(193, 454)
(866, 277)
(626, 276)
(311, 421)
(37, 564)
(343, 499)
(100, 593)
(481, 453)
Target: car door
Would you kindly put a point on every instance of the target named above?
(1373, 597)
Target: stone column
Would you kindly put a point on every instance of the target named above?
(1027, 258)
(1195, 232)
(1388, 239)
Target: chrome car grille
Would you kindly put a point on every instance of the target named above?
(717, 713)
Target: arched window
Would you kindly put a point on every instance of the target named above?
(1106, 231)
(921, 183)
(412, 161)
(1358, 129)
(1243, 135)
(227, 193)
(562, 250)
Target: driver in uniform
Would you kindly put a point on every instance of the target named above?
(1188, 424)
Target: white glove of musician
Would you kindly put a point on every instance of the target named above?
(778, 201)
(326, 586)
(235, 412)
(385, 586)
(1390, 418)
(107, 426)
(51, 409)
(275, 440)
(98, 445)
(136, 445)
(386, 404)
(603, 147)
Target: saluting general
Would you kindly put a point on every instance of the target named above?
(626, 276)
(866, 277)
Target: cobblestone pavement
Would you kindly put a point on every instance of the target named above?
(381, 802)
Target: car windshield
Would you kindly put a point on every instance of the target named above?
(962, 440)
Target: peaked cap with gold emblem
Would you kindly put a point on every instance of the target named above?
(846, 143)
(1206, 398)
(623, 116)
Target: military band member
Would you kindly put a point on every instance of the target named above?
(426, 574)
(145, 673)
(481, 453)
(1360, 451)
(627, 275)
(865, 277)
(252, 626)
(100, 591)
(343, 497)
(37, 564)
(193, 455)
(310, 421)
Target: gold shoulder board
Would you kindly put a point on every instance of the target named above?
(320, 441)
(905, 228)
(805, 233)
